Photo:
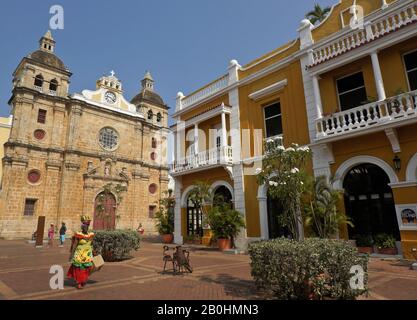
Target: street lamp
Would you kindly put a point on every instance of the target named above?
(397, 163)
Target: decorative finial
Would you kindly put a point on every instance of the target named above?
(112, 73)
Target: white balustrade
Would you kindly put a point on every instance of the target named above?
(215, 156)
(374, 29)
(392, 109)
(205, 92)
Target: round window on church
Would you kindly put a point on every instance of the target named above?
(109, 139)
(34, 176)
(39, 134)
(153, 188)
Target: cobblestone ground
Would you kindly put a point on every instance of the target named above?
(24, 274)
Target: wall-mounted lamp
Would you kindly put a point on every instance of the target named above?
(397, 163)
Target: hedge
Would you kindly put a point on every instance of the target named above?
(115, 245)
(305, 270)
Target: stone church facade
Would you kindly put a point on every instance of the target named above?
(65, 150)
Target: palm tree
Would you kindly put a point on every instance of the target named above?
(318, 14)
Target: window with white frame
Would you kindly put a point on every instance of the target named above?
(273, 120)
(351, 91)
(410, 60)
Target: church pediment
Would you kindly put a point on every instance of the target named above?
(109, 95)
(106, 171)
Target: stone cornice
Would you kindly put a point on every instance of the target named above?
(36, 94)
(84, 154)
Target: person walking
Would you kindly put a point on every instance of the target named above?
(51, 235)
(62, 232)
(81, 257)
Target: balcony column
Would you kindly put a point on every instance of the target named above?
(196, 139)
(317, 97)
(378, 77)
(224, 130)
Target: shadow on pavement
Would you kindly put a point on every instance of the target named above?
(236, 287)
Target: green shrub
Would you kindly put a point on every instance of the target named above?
(309, 269)
(385, 241)
(364, 241)
(115, 245)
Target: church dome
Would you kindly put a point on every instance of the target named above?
(47, 58)
(45, 53)
(147, 96)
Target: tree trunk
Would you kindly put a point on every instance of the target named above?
(299, 222)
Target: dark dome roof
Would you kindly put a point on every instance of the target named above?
(149, 96)
(47, 58)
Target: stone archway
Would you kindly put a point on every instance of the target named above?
(369, 201)
(105, 219)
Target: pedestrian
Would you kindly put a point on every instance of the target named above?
(81, 257)
(51, 235)
(62, 232)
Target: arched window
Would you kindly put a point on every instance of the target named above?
(53, 85)
(158, 117)
(150, 115)
(38, 81)
(154, 143)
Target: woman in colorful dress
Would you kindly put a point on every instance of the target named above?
(81, 254)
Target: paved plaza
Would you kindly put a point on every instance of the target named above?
(24, 274)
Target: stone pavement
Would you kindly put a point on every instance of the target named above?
(24, 274)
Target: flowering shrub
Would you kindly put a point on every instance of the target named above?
(115, 245)
(283, 170)
(309, 269)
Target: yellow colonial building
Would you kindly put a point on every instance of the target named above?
(347, 88)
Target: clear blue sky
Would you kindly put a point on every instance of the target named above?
(184, 43)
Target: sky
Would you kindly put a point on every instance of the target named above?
(184, 43)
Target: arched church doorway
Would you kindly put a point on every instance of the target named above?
(222, 195)
(104, 212)
(275, 210)
(369, 202)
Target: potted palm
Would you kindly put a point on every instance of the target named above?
(386, 244)
(165, 219)
(365, 243)
(225, 224)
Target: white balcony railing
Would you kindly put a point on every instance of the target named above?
(394, 109)
(205, 92)
(372, 31)
(52, 92)
(212, 157)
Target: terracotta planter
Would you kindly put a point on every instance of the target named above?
(368, 250)
(224, 244)
(167, 238)
(388, 251)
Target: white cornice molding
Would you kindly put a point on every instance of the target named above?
(82, 98)
(403, 184)
(257, 95)
(208, 115)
